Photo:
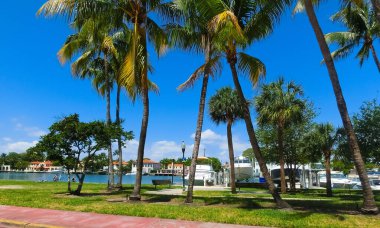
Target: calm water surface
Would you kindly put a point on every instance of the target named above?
(90, 178)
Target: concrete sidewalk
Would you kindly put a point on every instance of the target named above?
(11, 216)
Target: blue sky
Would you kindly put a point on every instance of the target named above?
(35, 90)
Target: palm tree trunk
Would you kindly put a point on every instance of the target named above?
(198, 131)
(111, 180)
(144, 124)
(232, 159)
(252, 138)
(375, 57)
(119, 146)
(282, 160)
(376, 6)
(369, 205)
(328, 173)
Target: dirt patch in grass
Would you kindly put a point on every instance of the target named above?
(12, 187)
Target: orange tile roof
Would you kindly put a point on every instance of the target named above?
(148, 161)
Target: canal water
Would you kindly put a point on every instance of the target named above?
(90, 178)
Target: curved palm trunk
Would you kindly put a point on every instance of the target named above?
(119, 146)
(282, 160)
(111, 180)
(252, 138)
(231, 154)
(198, 131)
(375, 57)
(144, 124)
(369, 205)
(327, 155)
(197, 140)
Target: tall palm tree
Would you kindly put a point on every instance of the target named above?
(225, 107)
(239, 23)
(279, 105)
(94, 42)
(322, 139)
(369, 205)
(363, 29)
(194, 35)
(134, 73)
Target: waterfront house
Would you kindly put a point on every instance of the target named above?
(148, 166)
(45, 166)
(116, 165)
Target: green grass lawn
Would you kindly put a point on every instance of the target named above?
(251, 207)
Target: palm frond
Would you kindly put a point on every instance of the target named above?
(251, 66)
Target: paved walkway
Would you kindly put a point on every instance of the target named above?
(11, 216)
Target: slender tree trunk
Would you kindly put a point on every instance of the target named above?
(252, 138)
(369, 205)
(375, 57)
(144, 124)
(198, 131)
(376, 6)
(328, 173)
(282, 160)
(231, 154)
(80, 184)
(68, 181)
(108, 121)
(293, 177)
(119, 146)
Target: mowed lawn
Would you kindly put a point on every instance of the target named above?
(251, 207)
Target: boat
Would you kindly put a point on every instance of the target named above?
(243, 168)
(204, 175)
(338, 180)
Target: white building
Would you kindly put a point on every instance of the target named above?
(5, 168)
(148, 166)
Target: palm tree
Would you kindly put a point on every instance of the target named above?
(239, 23)
(194, 35)
(225, 107)
(369, 204)
(94, 42)
(363, 29)
(280, 105)
(134, 73)
(322, 140)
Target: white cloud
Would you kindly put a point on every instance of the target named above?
(20, 146)
(30, 131)
(6, 139)
(165, 149)
(213, 141)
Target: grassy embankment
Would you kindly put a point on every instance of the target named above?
(253, 207)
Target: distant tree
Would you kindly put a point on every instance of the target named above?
(248, 153)
(225, 107)
(367, 129)
(165, 162)
(97, 162)
(22, 165)
(12, 158)
(34, 154)
(279, 105)
(214, 162)
(3, 157)
(320, 141)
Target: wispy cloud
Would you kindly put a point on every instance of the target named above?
(30, 131)
(19, 146)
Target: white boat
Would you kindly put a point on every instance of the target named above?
(338, 180)
(204, 175)
(243, 168)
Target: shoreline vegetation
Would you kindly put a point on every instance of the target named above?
(250, 207)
